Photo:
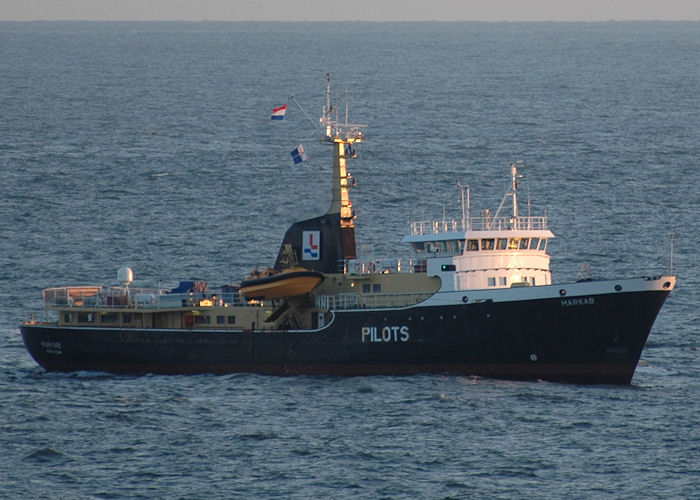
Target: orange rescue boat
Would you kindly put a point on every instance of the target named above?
(287, 283)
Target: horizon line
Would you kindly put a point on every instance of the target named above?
(288, 21)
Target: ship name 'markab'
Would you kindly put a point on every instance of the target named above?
(587, 301)
(386, 334)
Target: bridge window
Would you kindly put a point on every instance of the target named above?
(543, 244)
(472, 245)
(419, 247)
(127, 318)
(451, 247)
(231, 320)
(220, 320)
(376, 287)
(501, 243)
(68, 318)
(534, 243)
(513, 243)
(434, 246)
(524, 243)
(487, 244)
(86, 318)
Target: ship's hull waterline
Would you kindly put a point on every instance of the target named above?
(598, 339)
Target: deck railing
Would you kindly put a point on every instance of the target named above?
(345, 301)
(479, 224)
(119, 297)
(382, 266)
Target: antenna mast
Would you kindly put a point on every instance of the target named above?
(514, 174)
(672, 237)
(465, 213)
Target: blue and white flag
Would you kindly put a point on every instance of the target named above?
(278, 113)
(350, 151)
(299, 154)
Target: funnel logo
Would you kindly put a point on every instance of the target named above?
(311, 245)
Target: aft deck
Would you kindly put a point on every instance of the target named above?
(97, 297)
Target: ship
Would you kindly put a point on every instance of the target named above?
(475, 297)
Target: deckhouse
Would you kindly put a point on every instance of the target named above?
(486, 251)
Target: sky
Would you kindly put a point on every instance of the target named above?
(350, 10)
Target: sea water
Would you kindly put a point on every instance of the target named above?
(151, 145)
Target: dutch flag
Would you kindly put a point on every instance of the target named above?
(278, 113)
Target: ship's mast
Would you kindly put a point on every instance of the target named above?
(514, 174)
(343, 147)
(511, 191)
(343, 136)
(327, 121)
(328, 93)
(466, 206)
(325, 243)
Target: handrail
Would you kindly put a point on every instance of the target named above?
(345, 301)
(139, 298)
(479, 224)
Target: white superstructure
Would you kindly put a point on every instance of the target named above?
(486, 251)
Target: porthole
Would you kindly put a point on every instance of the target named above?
(465, 299)
(562, 292)
(618, 288)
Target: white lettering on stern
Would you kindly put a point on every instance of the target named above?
(52, 347)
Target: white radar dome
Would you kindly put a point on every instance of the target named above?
(125, 276)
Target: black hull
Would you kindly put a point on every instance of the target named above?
(597, 341)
